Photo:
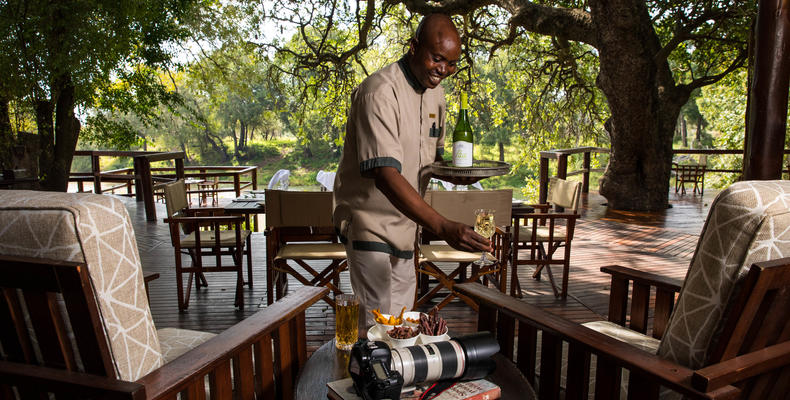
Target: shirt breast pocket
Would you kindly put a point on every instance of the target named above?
(435, 131)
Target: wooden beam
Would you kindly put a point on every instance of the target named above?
(766, 116)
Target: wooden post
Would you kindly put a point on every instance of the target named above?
(96, 170)
(138, 182)
(562, 166)
(766, 116)
(148, 188)
(179, 168)
(543, 193)
(586, 166)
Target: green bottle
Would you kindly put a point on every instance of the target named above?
(462, 136)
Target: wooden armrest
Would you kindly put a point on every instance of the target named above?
(150, 277)
(647, 278)
(742, 367)
(216, 352)
(77, 384)
(548, 215)
(666, 288)
(645, 365)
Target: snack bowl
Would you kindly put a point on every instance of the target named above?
(386, 327)
(425, 339)
(414, 315)
(398, 343)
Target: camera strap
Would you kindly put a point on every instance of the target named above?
(436, 389)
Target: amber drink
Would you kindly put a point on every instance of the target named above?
(346, 321)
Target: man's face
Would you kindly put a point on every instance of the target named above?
(434, 59)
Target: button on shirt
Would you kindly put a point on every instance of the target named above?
(393, 122)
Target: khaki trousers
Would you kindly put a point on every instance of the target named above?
(381, 281)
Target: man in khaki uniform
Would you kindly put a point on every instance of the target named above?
(395, 130)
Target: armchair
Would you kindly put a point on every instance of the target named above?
(725, 336)
(204, 234)
(460, 206)
(75, 322)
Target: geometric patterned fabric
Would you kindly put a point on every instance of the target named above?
(747, 223)
(94, 229)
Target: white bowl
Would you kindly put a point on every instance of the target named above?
(425, 339)
(398, 343)
(386, 327)
(413, 315)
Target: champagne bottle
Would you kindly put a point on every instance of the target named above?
(462, 136)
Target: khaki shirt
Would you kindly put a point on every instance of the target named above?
(392, 122)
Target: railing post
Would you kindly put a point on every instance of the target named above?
(179, 168)
(562, 166)
(586, 179)
(148, 188)
(543, 193)
(236, 183)
(96, 170)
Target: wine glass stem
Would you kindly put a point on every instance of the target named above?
(482, 258)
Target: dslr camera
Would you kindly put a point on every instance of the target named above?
(379, 372)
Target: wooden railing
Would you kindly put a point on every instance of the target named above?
(145, 179)
(562, 155)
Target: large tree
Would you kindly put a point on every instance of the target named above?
(651, 55)
(58, 55)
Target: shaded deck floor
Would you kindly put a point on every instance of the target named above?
(658, 242)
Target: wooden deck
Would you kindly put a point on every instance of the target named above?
(658, 242)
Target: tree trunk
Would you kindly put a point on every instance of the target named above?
(684, 133)
(501, 151)
(644, 104)
(6, 136)
(46, 136)
(67, 130)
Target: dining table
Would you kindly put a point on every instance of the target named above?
(249, 204)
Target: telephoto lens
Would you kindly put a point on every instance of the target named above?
(379, 372)
(463, 358)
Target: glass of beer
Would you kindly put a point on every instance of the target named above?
(346, 321)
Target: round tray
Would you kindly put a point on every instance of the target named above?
(479, 169)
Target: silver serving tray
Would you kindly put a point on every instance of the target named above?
(479, 169)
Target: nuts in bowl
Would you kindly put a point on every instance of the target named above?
(403, 336)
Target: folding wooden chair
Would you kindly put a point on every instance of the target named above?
(546, 231)
(299, 228)
(213, 240)
(460, 206)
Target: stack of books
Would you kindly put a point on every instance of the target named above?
(480, 389)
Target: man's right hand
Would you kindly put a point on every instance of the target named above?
(463, 237)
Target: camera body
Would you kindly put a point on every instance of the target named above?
(379, 372)
(369, 367)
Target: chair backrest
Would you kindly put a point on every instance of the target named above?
(326, 179)
(748, 222)
(95, 230)
(298, 209)
(460, 205)
(565, 194)
(176, 197)
(279, 179)
(55, 295)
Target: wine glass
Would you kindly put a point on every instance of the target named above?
(484, 225)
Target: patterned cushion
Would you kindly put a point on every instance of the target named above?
(97, 230)
(176, 342)
(748, 222)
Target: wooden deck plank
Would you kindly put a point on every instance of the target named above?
(656, 242)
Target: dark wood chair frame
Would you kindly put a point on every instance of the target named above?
(751, 359)
(277, 271)
(265, 351)
(494, 274)
(689, 173)
(194, 219)
(542, 250)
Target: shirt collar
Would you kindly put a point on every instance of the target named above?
(413, 82)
